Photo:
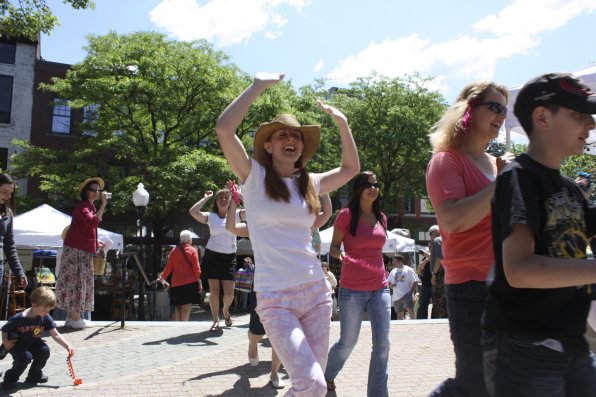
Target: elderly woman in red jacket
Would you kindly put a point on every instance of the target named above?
(74, 288)
(183, 264)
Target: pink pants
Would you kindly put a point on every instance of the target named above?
(297, 322)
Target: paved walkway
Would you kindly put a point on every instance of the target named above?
(185, 359)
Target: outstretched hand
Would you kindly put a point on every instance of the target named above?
(268, 79)
(335, 113)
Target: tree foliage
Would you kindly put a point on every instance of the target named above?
(155, 105)
(27, 18)
(391, 119)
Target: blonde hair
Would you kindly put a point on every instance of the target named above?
(44, 297)
(449, 131)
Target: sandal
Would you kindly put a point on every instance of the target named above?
(215, 327)
(228, 321)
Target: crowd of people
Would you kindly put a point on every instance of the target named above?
(506, 263)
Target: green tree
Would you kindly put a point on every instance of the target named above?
(155, 104)
(391, 119)
(27, 18)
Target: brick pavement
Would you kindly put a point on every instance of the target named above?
(184, 359)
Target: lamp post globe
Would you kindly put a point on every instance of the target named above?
(140, 199)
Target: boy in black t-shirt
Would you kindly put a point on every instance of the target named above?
(29, 345)
(537, 305)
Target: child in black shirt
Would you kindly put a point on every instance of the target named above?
(29, 346)
(536, 310)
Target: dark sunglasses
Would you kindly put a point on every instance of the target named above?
(94, 190)
(495, 107)
(372, 184)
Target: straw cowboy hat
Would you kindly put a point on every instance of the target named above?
(87, 181)
(311, 136)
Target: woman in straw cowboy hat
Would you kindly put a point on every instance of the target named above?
(74, 287)
(294, 299)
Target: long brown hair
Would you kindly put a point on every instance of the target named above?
(277, 190)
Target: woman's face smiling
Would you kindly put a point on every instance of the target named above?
(223, 202)
(485, 121)
(285, 144)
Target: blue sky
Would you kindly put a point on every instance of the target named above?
(457, 42)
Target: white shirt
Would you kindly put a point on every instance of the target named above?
(280, 234)
(403, 278)
(221, 240)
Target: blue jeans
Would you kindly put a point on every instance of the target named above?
(516, 367)
(426, 293)
(465, 304)
(22, 354)
(352, 305)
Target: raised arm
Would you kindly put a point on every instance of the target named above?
(239, 229)
(230, 119)
(195, 210)
(350, 162)
(324, 216)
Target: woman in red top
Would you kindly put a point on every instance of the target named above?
(74, 287)
(362, 228)
(183, 264)
(460, 181)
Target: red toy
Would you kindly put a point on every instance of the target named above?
(77, 381)
(232, 188)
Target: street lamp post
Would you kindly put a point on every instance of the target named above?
(140, 199)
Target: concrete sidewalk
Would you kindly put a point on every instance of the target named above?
(185, 359)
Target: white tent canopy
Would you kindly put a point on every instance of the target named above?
(395, 242)
(42, 228)
(588, 76)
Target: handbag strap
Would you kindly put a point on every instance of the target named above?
(186, 257)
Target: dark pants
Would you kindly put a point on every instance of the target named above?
(426, 293)
(465, 303)
(22, 354)
(517, 367)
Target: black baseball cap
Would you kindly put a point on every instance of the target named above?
(561, 89)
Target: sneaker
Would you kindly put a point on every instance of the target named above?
(67, 322)
(88, 324)
(42, 379)
(77, 324)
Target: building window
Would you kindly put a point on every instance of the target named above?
(426, 206)
(8, 51)
(4, 158)
(410, 206)
(61, 117)
(5, 98)
(90, 117)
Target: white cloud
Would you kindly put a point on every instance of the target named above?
(319, 65)
(226, 22)
(515, 30)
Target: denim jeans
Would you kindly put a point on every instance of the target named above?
(517, 367)
(465, 303)
(352, 305)
(22, 354)
(426, 293)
